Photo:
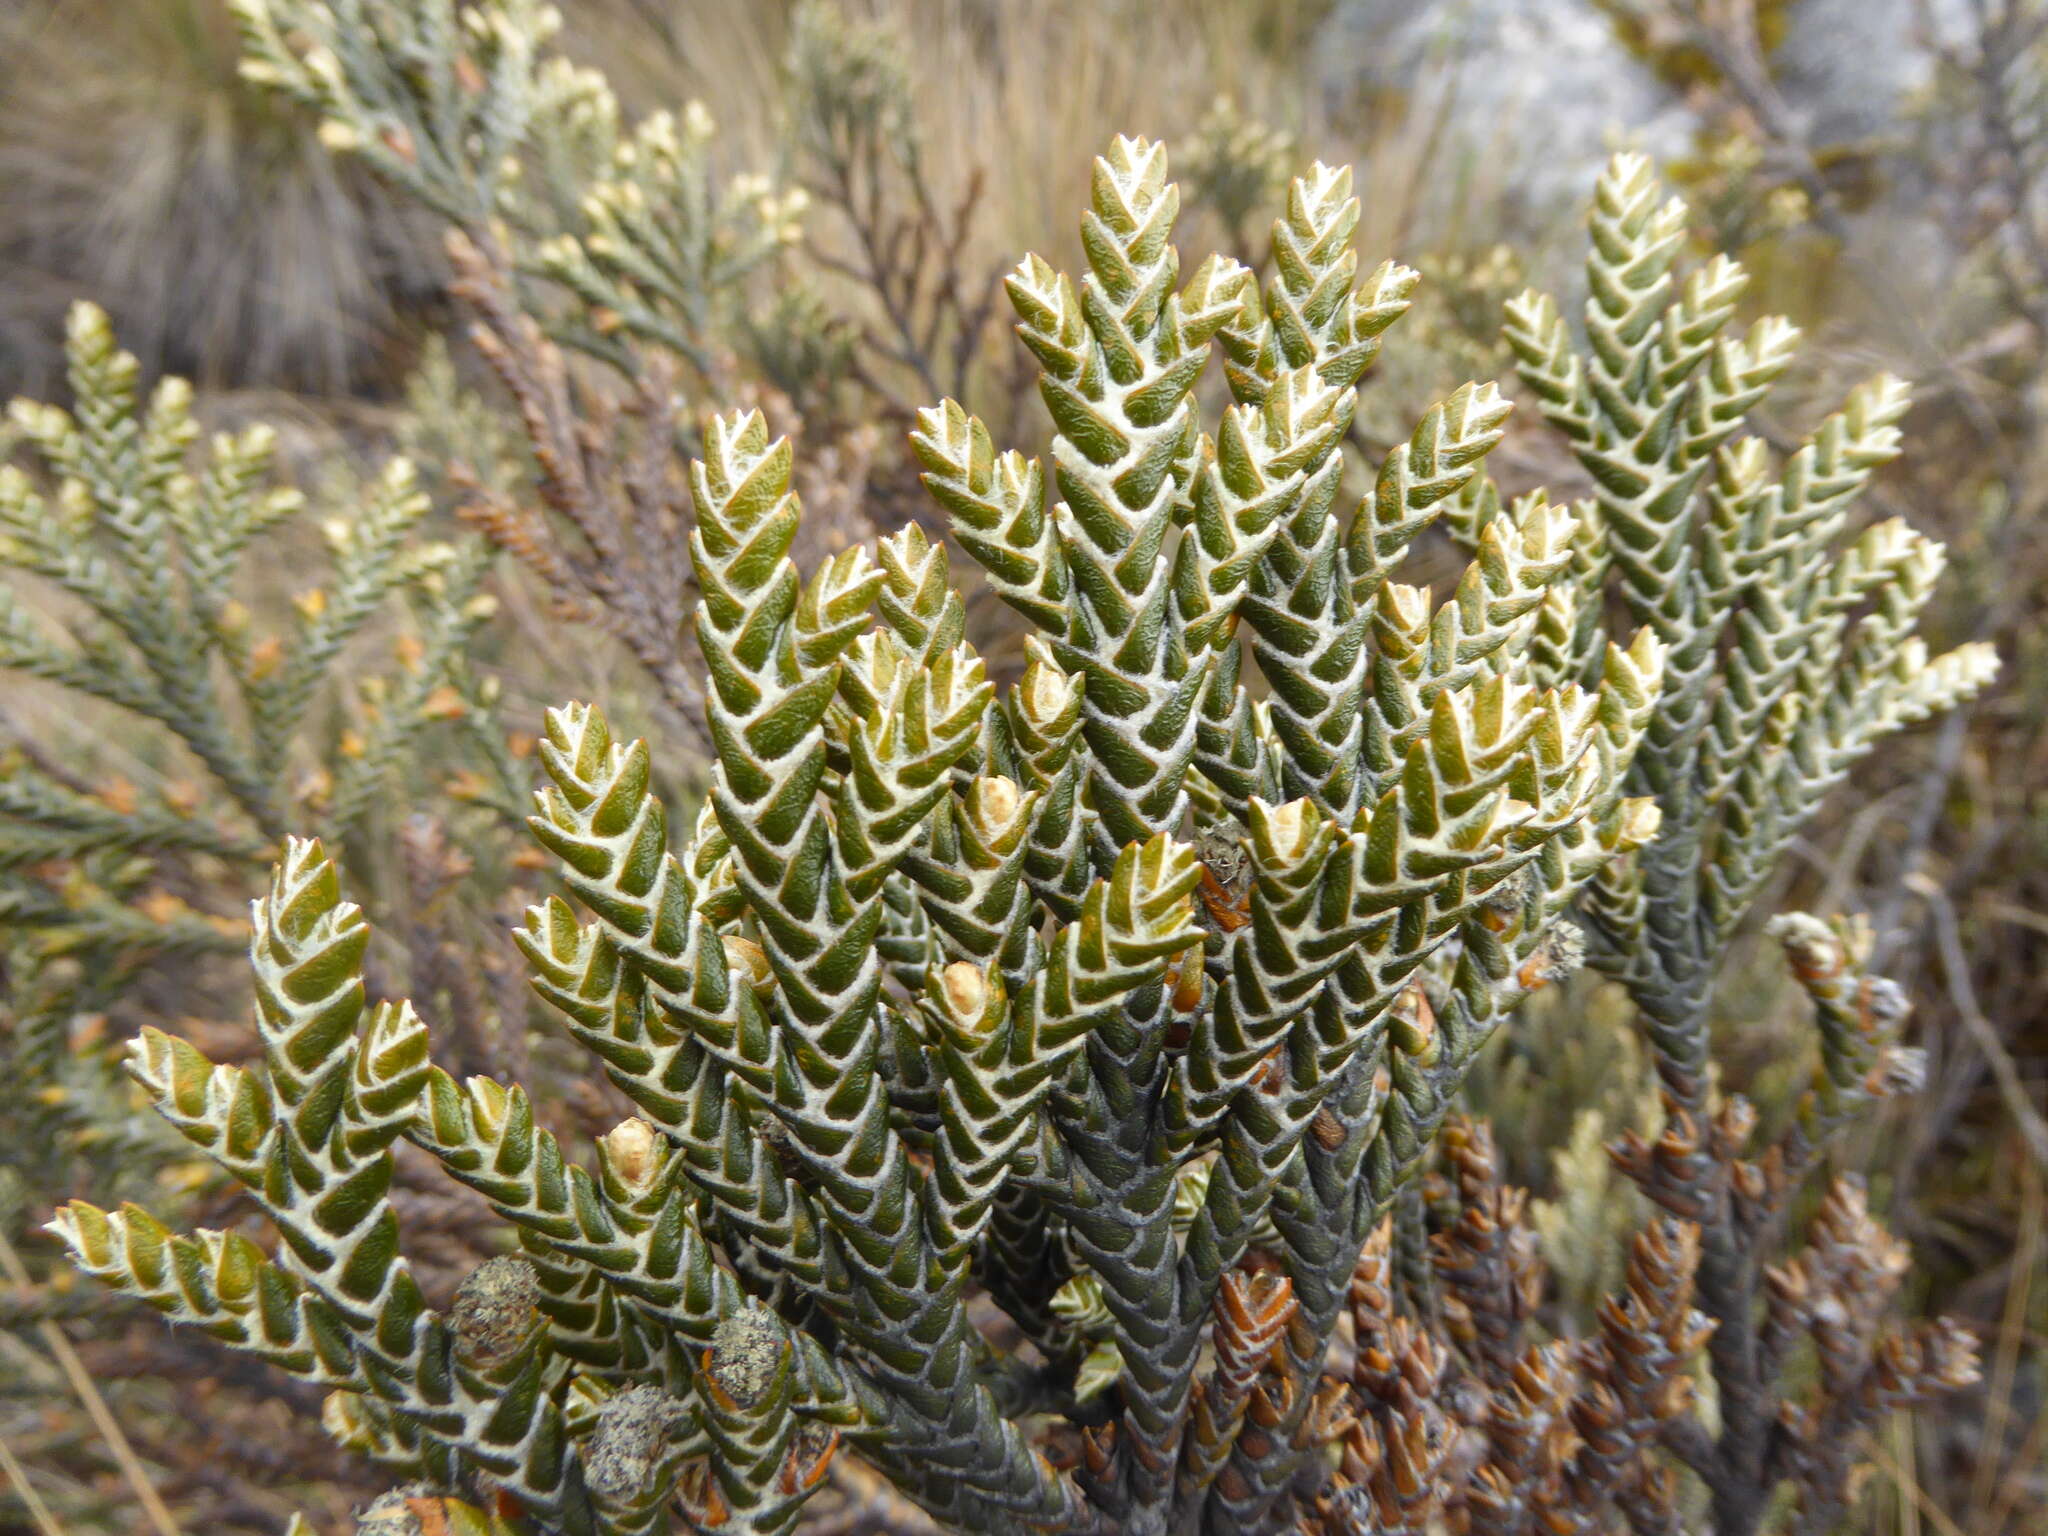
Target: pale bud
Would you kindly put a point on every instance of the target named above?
(630, 1148)
(750, 961)
(1403, 610)
(992, 805)
(1290, 828)
(1640, 819)
(1046, 694)
(487, 1101)
(337, 137)
(965, 991)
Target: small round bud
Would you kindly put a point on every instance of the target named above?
(1292, 829)
(1640, 819)
(487, 1104)
(750, 961)
(633, 1432)
(1403, 610)
(1045, 694)
(631, 1149)
(495, 1310)
(746, 1351)
(1813, 948)
(965, 991)
(337, 137)
(992, 804)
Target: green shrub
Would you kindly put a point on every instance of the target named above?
(131, 552)
(1133, 996)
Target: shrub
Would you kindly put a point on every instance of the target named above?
(130, 549)
(1133, 996)
(170, 714)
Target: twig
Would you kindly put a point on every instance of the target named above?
(17, 1475)
(1902, 1436)
(2006, 912)
(1909, 1485)
(2015, 1487)
(2033, 1128)
(2012, 1330)
(95, 1405)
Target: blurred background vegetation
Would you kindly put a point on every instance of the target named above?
(1880, 165)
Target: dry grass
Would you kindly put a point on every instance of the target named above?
(135, 167)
